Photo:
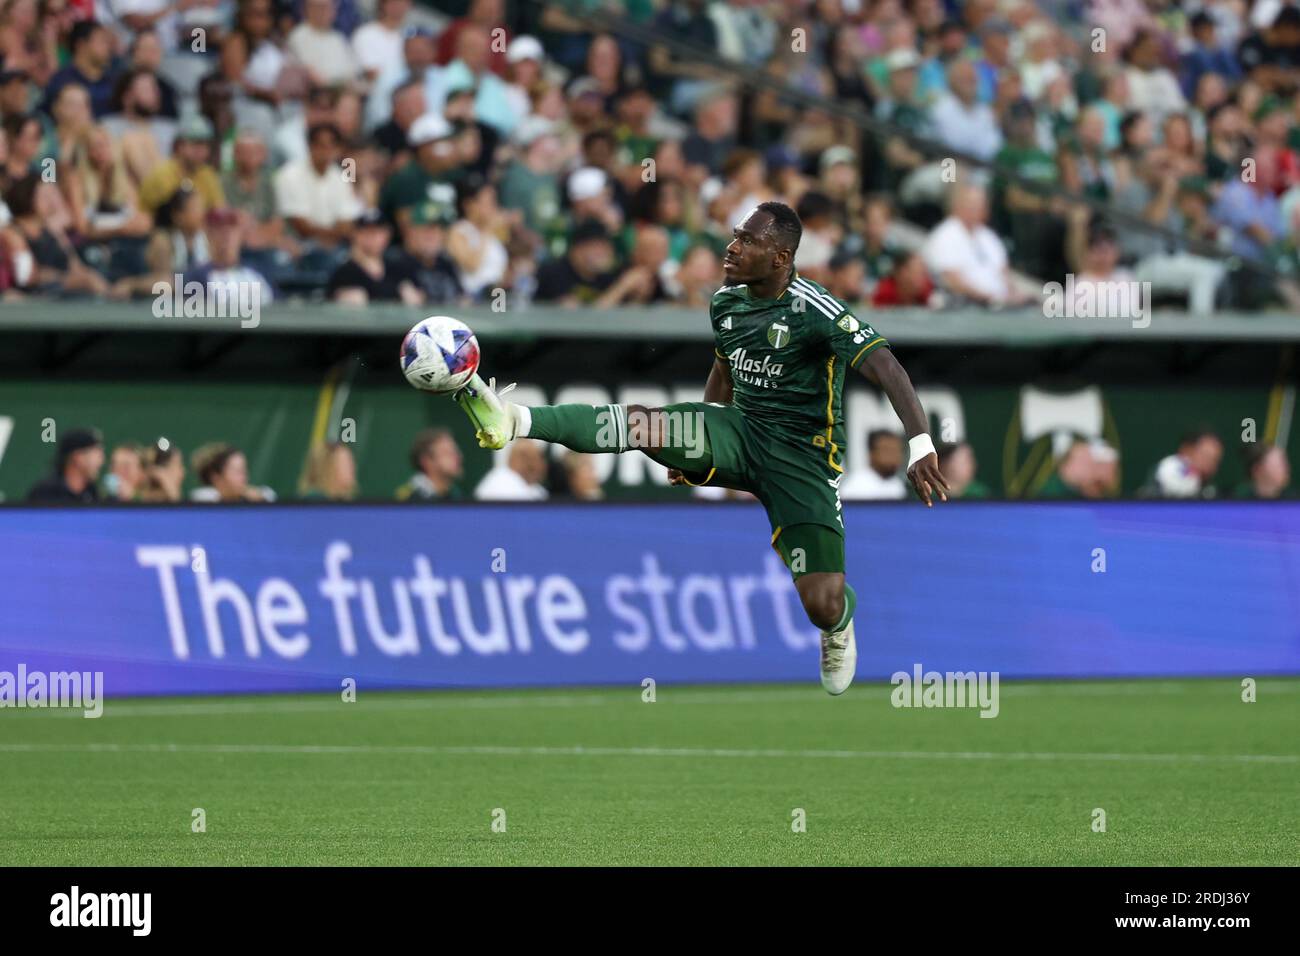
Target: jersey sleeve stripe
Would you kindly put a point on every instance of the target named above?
(871, 346)
(825, 298)
(820, 306)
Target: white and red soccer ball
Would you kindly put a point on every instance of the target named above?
(440, 354)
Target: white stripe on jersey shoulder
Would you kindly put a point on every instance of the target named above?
(728, 288)
(801, 284)
(808, 296)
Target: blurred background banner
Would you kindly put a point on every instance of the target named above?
(185, 600)
(1017, 403)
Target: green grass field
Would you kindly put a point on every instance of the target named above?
(1186, 773)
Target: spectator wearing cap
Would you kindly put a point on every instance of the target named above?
(77, 464)
(144, 135)
(366, 277)
(960, 120)
(585, 272)
(313, 195)
(525, 60)
(1268, 473)
(377, 44)
(477, 241)
(485, 16)
(225, 275)
(967, 256)
(423, 254)
(324, 51)
(431, 174)
(189, 161)
(588, 190)
(91, 48)
(531, 181)
(900, 106)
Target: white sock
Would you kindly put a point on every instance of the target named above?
(523, 420)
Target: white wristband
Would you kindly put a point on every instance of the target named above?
(921, 446)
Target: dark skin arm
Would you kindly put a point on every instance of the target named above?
(882, 368)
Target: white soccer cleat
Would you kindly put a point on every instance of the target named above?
(839, 660)
(495, 421)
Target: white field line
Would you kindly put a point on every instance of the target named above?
(674, 752)
(457, 700)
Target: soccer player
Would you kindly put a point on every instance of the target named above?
(771, 422)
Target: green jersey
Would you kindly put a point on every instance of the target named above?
(788, 358)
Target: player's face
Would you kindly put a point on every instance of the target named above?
(750, 256)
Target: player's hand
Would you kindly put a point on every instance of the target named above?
(675, 477)
(928, 480)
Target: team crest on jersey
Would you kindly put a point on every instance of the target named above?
(849, 324)
(778, 334)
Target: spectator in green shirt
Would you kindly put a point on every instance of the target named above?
(430, 176)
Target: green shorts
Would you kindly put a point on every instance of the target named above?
(797, 483)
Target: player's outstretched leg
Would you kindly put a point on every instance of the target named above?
(661, 433)
(829, 602)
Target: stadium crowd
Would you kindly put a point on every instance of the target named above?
(369, 150)
(156, 474)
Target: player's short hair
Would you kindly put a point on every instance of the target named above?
(786, 229)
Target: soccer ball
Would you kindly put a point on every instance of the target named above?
(440, 354)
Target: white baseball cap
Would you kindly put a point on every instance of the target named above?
(532, 129)
(428, 128)
(524, 48)
(586, 183)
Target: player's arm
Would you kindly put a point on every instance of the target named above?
(881, 367)
(718, 388)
